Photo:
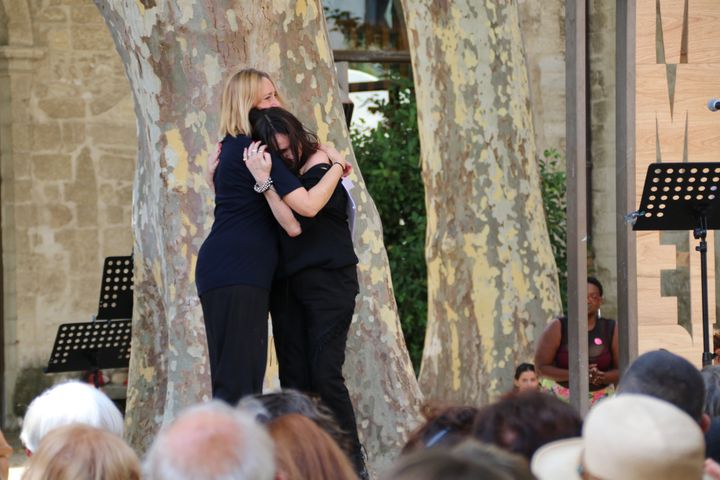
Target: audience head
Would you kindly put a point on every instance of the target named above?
(523, 422)
(628, 437)
(467, 460)
(66, 403)
(305, 451)
(211, 441)
(269, 406)
(669, 377)
(711, 377)
(444, 426)
(525, 377)
(82, 452)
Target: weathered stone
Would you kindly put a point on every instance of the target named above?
(117, 241)
(91, 37)
(52, 167)
(85, 253)
(84, 14)
(58, 38)
(46, 136)
(115, 215)
(89, 281)
(103, 103)
(54, 288)
(23, 191)
(52, 14)
(113, 167)
(52, 193)
(54, 216)
(87, 215)
(63, 107)
(73, 134)
(110, 134)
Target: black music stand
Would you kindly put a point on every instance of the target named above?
(683, 196)
(105, 341)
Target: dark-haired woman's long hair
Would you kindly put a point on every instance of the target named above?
(269, 122)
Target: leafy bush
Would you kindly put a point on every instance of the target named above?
(389, 157)
(553, 186)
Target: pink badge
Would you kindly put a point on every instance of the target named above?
(598, 341)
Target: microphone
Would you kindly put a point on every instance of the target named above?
(713, 105)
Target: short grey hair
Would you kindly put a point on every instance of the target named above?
(211, 441)
(66, 403)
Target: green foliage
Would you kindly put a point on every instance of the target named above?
(553, 186)
(389, 157)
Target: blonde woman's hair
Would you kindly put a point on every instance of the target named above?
(82, 452)
(241, 93)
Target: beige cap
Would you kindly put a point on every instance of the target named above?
(628, 437)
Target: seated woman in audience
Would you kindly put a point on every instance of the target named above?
(552, 354)
(304, 451)
(66, 403)
(82, 452)
(525, 378)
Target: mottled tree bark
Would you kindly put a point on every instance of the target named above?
(492, 279)
(176, 55)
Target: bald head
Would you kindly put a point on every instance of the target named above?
(211, 441)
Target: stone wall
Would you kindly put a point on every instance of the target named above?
(543, 29)
(68, 158)
(601, 81)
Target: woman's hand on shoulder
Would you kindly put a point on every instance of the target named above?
(258, 161)
(335, 156)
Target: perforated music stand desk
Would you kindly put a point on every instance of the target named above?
(105, 341)
(683, 196)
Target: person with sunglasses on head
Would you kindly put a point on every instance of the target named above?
(552, 354)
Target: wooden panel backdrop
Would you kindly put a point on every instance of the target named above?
(678, 70)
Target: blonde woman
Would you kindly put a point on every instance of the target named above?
(237, 261)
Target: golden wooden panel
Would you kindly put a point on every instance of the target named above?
(672, 116)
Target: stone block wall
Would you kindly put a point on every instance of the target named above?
(68, 149)
(543, 29)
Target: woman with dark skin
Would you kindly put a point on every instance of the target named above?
(313, 296)
(551, 355)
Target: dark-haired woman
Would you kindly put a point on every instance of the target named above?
(552, 356)
(313, 297)
(525, 378)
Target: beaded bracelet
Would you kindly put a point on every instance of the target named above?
(264, 187)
